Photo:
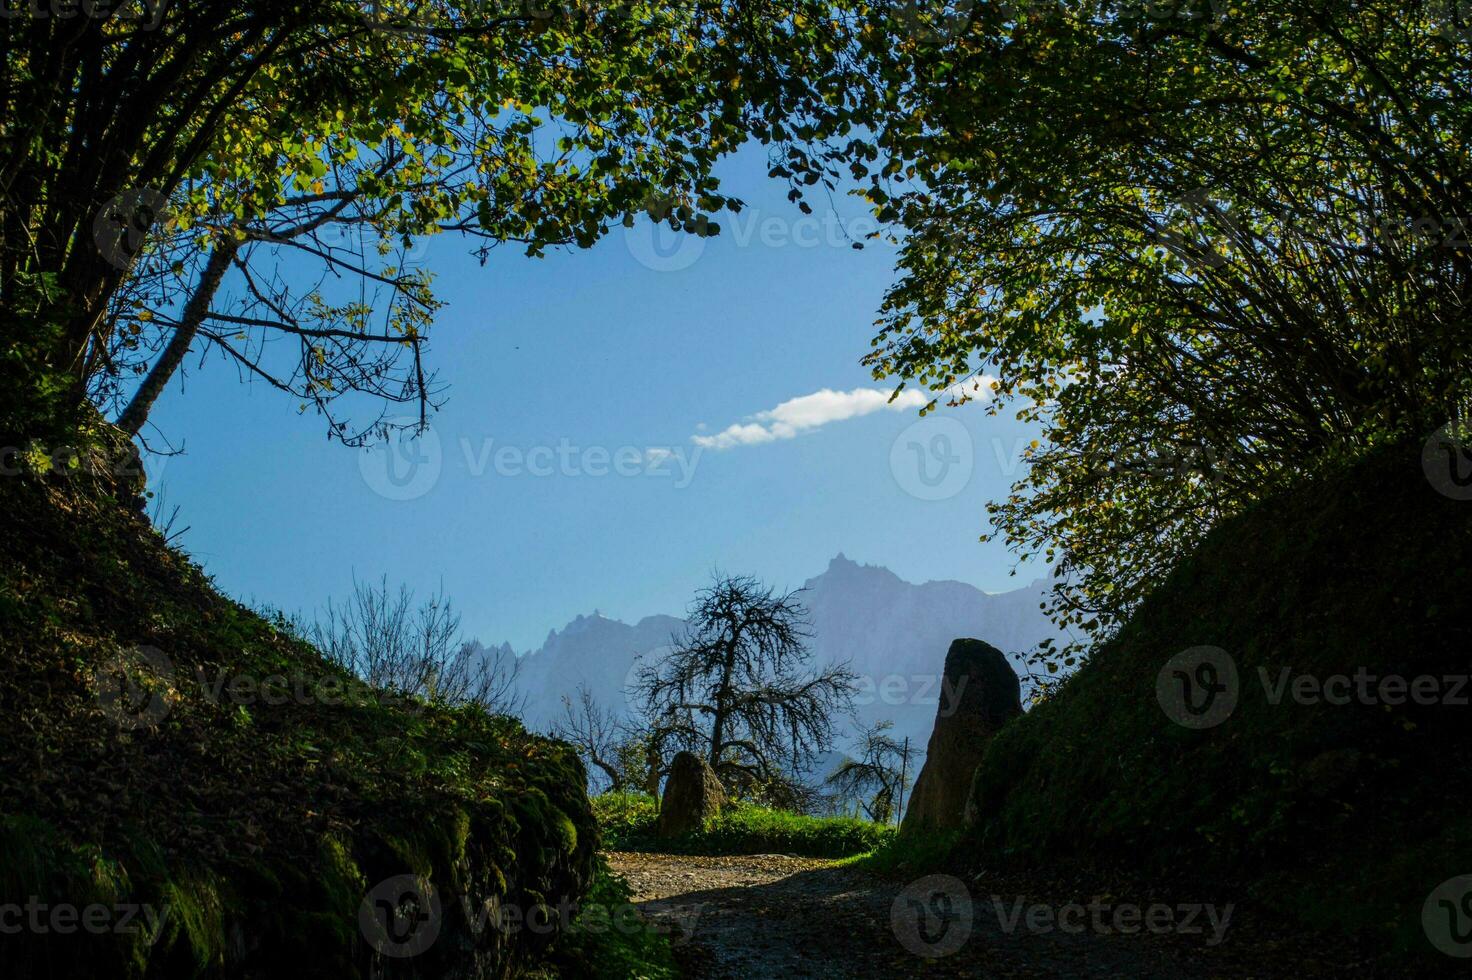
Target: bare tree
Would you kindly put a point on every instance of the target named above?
(597, 734)
(414, 650)
(875, 777)
(739, 688)
(492, 675)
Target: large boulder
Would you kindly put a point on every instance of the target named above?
(692, 794)
(980, 694)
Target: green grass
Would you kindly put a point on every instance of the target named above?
(908, 853)
(627, 822)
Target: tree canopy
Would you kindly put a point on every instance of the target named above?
(155, 151)
(1206, 246)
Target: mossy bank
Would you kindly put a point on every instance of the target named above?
(1339, 805)
(188, 790)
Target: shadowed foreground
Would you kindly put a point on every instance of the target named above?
(774, 915)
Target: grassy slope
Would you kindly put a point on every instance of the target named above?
(259, 826)
(627, 822)
(1339, 817)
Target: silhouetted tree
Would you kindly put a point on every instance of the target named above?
(740, 689)
(875, 777)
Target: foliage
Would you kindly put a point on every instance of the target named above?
(738, 688)
(912, 854)
(1208, 247)
(627, 822)
(142, 151)
(625, 819)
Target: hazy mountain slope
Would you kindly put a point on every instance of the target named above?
(591, 650)
(894, 633)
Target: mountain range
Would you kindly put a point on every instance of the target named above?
(894, 635)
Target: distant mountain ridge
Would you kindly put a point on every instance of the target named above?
(893, 633)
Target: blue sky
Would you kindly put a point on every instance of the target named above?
(620, 422)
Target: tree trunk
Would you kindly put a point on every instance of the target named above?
(198, 307)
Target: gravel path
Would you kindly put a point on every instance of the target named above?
(777, 916)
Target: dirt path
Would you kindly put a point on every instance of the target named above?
(778, 916)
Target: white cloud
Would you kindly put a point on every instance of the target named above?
(808, 412)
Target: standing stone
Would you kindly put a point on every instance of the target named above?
(979, 694)
(692, 794)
